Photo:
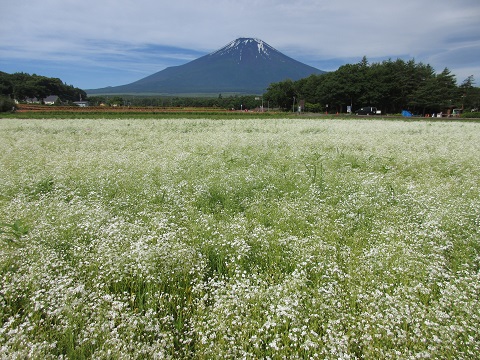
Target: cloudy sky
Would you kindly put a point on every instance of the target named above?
(98, 43)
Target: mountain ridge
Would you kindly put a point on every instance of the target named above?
(243, 66)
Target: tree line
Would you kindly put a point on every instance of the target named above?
(390, 86)
(231, 102)
(21, 86)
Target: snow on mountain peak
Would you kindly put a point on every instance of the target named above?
(261, 47)
(240, 44)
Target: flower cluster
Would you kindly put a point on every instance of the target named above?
(240, 239)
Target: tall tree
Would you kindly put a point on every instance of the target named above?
(467, 93)
(446, 89)
(282, 94)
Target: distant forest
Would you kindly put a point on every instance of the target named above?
(230, 102)
(391, 86)
(21, 86)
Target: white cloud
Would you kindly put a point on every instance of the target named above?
(116, 33)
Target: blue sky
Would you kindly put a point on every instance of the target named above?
(93, 44)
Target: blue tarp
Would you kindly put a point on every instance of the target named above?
(406, 113)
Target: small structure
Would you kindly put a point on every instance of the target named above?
(50, 100)
(457, 112)
(81, 103)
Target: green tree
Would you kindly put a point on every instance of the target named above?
(281, 94)
(6, 104)
(446, 92)
(29, 86)
(349, 85)
(116, 101)
(469, 94)
(423, 95)
(6, 85)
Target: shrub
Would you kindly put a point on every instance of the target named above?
(470, 115)
(6, 104)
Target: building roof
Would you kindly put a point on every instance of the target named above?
(51, 98)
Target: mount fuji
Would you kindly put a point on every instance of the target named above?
(244, 66)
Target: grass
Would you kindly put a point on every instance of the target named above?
(239, 238)
(74, 112)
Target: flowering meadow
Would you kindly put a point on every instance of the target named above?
(239, 239)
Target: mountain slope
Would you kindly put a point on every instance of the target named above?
(245, 65)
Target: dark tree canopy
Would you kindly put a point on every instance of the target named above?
(391, 86)
(21, 86)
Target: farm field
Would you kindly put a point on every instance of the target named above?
(240, 238)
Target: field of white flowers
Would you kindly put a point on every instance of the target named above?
(255, 239)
